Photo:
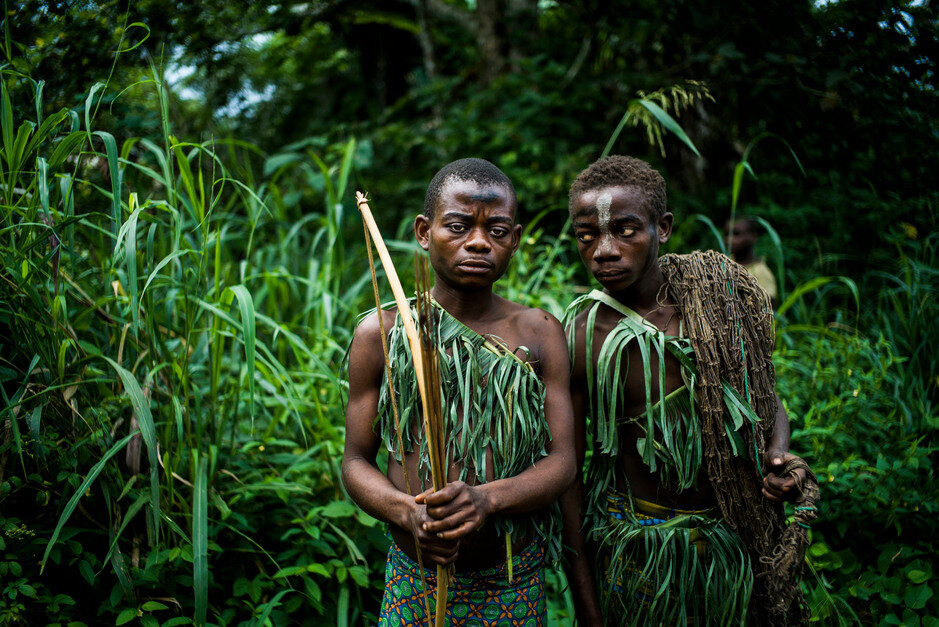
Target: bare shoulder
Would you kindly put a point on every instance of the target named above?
(537, 330)
(532, 320)
(368, 329)
(365, 353)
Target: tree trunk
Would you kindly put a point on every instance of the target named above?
(490, 18)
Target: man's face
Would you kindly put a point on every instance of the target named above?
(472, 236)
(741, 236)
(616, 237)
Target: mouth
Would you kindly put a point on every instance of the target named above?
(606, 275)
(475, 266)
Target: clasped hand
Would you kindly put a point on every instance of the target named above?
(775, 486)
(441, 519)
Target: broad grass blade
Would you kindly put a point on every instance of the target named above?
(780, 259)
(669, 122)
(246, 306)
(110, 149)
(73, 502)
(700, 217)
(200, 542)
(817, 283)
(147, 431)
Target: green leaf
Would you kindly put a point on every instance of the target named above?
(200, 541)
(127, 235)
(278, 161)
(73, 502)
(716, 232)
(669, 122)
(147, 431)
(917, 576)
(814, 284)
(290, 571)
(27, 590)
(110, 150)
(345, 169)
(342, 611)
(152, 606)
(270, 605)
(246, 306)
(87, 572)
(318, 569)
(6, 117)
(126, 615)
(338, 509)
(917, 597)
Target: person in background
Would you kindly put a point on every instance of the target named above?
(742, 234)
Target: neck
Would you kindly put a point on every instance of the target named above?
(642, 296)
(745, 258)
(463, 304)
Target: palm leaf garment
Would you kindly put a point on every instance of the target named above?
(493, 403)
(651, 570)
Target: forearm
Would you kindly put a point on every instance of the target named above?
(375, 493)
(578, 563)
(779, 442)
(535, 488)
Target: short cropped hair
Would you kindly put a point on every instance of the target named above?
(471, 169)
(619, 170)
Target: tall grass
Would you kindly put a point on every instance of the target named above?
(177, 326)
(173, 321)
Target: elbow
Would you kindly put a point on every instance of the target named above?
(345, 474)
(568, 472)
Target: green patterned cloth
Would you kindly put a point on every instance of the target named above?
(482, 598)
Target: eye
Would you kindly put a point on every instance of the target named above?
(585, 237)
(456, 227)
(499, 231)
(625, 231)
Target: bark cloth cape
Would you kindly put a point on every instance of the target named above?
(493, 401)
(729, 325)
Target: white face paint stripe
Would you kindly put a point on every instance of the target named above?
(603, 211)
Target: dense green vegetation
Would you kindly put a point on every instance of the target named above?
(179, 283)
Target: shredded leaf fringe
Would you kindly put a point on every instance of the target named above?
(690, 569)
(493, 403)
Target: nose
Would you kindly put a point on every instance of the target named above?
(477, 241)
(605, 250)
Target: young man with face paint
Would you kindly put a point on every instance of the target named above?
(508, 421)
(678, 516)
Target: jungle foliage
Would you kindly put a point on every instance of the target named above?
(180, 278)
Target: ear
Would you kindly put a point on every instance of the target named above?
(664, 227)
(422, 231)
(516, 237)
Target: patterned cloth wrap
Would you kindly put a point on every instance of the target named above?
(660, 564)
(480, 598)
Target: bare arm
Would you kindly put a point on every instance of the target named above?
(578, 562)
(460, 508)
(775, 486)
(368, 487)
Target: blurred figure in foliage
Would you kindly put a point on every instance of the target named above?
(673, 373)
(742, 235)
(507, 420)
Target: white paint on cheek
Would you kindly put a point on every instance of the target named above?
(603, 211)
